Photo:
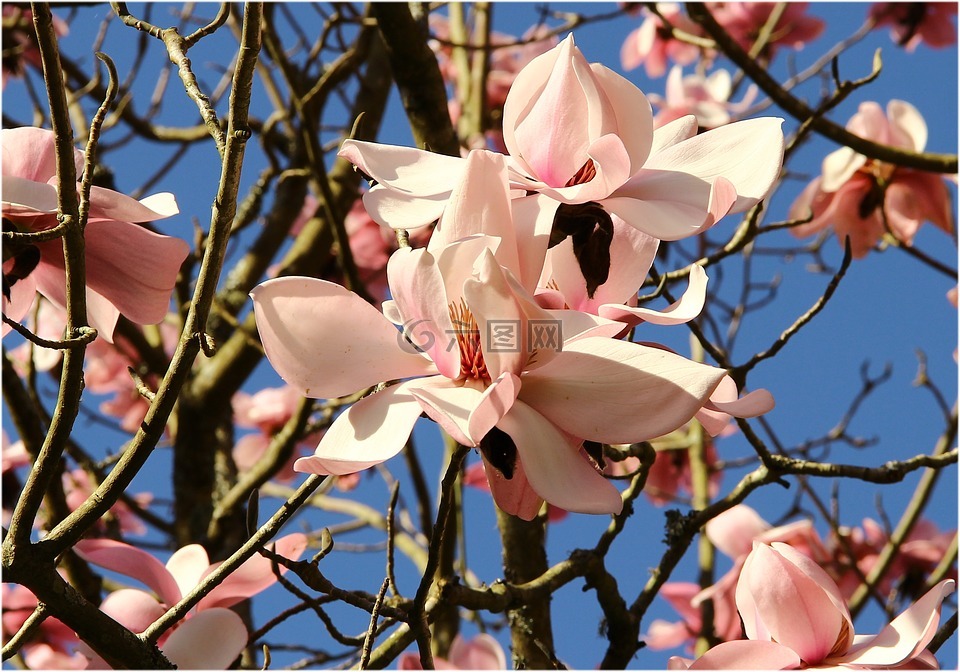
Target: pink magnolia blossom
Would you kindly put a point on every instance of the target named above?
(913, 23)
(130, 270)
(19, 40)
(652, 45)
(212, 635)
(744, 20)
(733, 533)
(794, 616)
(707, 98)
(483, 652)
(53, 645)
(78, 486)
(853, 193)
(579, 133)
(475, 476)
(527, 403)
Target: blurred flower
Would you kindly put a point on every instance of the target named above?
(913, 23)
(129, 269)
(77, 485)
(794, 616)
(19, 40)
(482, 652)
(652, 44)
(53, 646)
(707, 98)
(861, 197)
(745, 20)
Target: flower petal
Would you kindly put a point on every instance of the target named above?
(681, 311)
(747, 153)
(634, 392)
(133, 609)
(554, 466)
(734, 530)
(747, 655)
(906, 636)
(30, 153)
(26, 198)
(130, 561)
(514, 495)
(187, 565)
(326, 341)
(418, 290)
(450, 406)
(253, 576)
(106, 204)
(371, 431)
(208, 640)
(483, 652)
(632, 111)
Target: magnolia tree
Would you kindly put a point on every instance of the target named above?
(343, 335)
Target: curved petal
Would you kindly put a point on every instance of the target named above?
(326, 341)
(715, 421)
(253, 576)
(132, 562)
(133, 609)
(749, 405)
(418, 290)
(496, 402)
(187, 565)
(907, 125)
(906, 636)
(632, 111)
(554, 467)
(483, 652)
(209, 640)
(106, 204)
(30, 153)
(450, 406)
(371, 431)
(681, 311)
(135, 269)
(673, 132)
(26, 198)
(838, 167)
(514, 496)
(404, 169)
(664, 390)
(747, 153)
(22, 295)
(748, 655)
(734, 530)
(400, 210)
(533, 221)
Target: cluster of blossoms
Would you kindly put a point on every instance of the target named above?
(736, 532)
(583, 161)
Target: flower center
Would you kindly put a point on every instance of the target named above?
(587, 172)
(472, 366)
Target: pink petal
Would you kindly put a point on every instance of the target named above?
(26, 198)
(106, 204)
(187, 565)
(450, 406)
(209, 640)
(514, 496)
(747, 153)
(132, 562)
(496, 402)
(554, 467)
(22, 296)
(715, 421)
(906, 636)
(782, 593)
(631, 109)
(327, 341)
(681, 311)
(749, 405)
(30, 153)
(483, 652)
(734, 530)
(133, 609)
(664, 390)
(371, 431)
(418, 291)
(135, 269)
(838, 167)
(480, 204)
(253, 576)
(907, 125)
(533, 222)
(51, 283)
(748, 655)
(678, 130)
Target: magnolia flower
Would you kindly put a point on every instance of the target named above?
(652, 44)
(129, 269)
(733, 533)
(479, 370)
(20, 42)
(860, 197)
(212, 635)
(912, 23)
(707, 98)
(794, 616)
(483, 652)
(578, 133)
(78, 486)
(52, 646)
(267, 410)
(745, 20)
